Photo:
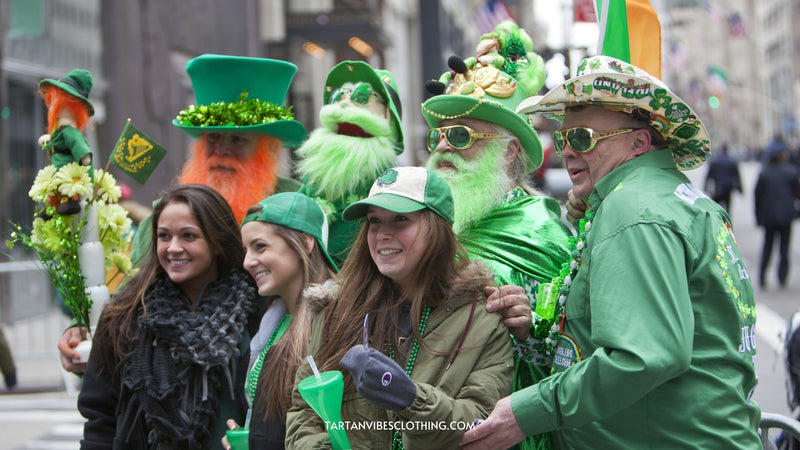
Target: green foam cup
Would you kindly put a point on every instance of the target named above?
(324, 394)
(239, 439)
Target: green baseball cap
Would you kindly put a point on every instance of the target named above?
(77, 83)
(222, 79)
(405, 190)
(382, 81)
(298, 212)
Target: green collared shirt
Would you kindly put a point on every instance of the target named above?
(658, 348)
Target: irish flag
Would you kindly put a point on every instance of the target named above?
(630, 31)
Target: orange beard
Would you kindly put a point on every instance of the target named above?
(243, 183)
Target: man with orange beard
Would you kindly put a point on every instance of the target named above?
(359, 139)
(242, 129)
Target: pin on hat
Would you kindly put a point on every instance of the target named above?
(405, 190)
(297, 212)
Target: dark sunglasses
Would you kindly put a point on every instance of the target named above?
(583, 139)
(459, 137)
(360, 95)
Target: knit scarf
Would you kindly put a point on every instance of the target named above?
(181, 358)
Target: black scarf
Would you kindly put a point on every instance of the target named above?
(180, 358)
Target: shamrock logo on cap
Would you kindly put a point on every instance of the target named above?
(388, 178)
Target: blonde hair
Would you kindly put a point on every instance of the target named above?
(286, 355)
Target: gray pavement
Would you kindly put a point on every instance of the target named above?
(41, 412)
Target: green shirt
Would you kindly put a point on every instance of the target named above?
(660, 324)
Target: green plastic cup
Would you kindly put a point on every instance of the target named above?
(546, 300)
(239, 439)
(324, 394)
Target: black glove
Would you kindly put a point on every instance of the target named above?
(379, 379)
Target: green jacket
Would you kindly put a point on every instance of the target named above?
(68, 145)
(658, 348)
(447, 400)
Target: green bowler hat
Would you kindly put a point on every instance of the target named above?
(219, 79)
(77, 83)
(382, 82)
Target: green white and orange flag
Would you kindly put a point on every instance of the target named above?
(136, 154)
(630, 31)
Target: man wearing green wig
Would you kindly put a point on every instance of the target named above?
(359, 139)
(486, 152)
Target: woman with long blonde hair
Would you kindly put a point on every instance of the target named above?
(285, 240)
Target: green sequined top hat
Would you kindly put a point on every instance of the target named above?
(382, 82)
(297, 212)
(77, 83)
(405, 190)
(220, 81)
(620, 86)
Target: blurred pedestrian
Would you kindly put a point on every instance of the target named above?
(723, 178)
(7, 363)
(776, 190)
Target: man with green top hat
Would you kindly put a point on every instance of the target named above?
(486, 152)
(242, 129)
(656, 345)
(360, 138)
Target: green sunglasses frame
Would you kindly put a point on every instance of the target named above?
(359, 95)
(473, 136)
(563, 136)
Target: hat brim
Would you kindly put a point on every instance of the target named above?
(359, 71)
(69, 90)
(677, 123)
(389, 202)
(442, 107)
(291, 133)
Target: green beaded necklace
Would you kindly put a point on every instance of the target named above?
(252, 377)
(550, 329)
(397, 437)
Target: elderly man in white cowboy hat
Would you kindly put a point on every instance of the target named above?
(655, 347)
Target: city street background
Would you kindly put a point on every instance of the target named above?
(41, 412)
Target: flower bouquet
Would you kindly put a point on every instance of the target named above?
(78, 251)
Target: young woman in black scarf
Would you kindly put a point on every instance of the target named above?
(166, 349)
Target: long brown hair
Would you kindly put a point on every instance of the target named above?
(365, 290)
(117, 326)
(286, 355)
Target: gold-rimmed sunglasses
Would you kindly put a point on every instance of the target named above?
(459, 137)
(583, 139)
